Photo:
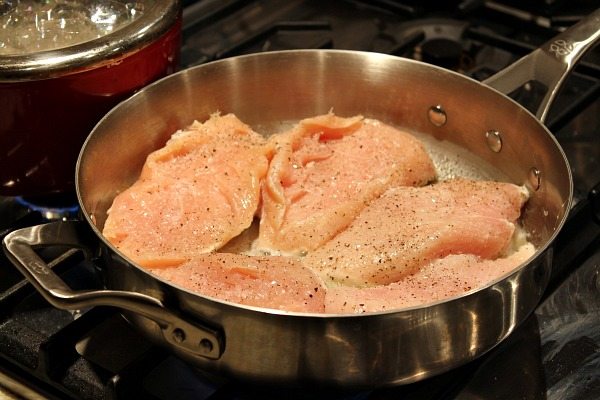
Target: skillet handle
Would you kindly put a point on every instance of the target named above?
(551, 63)
(20, 246)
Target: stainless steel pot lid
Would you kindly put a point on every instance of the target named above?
(42, 39)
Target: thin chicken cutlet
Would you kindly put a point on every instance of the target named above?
(193, 195)
(407, 228)
(325, 171)
(275, 282)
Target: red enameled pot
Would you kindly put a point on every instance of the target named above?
(50, 100)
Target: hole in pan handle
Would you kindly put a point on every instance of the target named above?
(20, 247)
(551, 63)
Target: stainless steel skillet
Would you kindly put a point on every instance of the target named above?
(263, 345)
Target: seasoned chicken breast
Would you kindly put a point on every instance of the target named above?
(193, 195)
(280, 283)
(440, 279)
(325, 170)
(407, 228)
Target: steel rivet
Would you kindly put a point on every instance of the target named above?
(206, 345)
(535, 178)
(494, 141)
(437, 115)
(178, 335)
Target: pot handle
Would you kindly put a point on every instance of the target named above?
(192, 337)
(551, 63)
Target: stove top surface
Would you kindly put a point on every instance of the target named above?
(554, 354)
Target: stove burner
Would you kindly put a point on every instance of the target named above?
(442, 42)
(443, 52)
(51, 208)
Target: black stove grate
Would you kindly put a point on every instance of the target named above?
(95, 353)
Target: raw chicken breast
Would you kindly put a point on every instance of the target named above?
(193, 195)
(273, 282)
(407, 228)
(324, 172)
(438, 280)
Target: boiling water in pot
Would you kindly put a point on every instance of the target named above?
(28, 26)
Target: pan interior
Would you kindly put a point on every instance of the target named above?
(271, 90)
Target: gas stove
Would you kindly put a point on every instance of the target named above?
(554, 354)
